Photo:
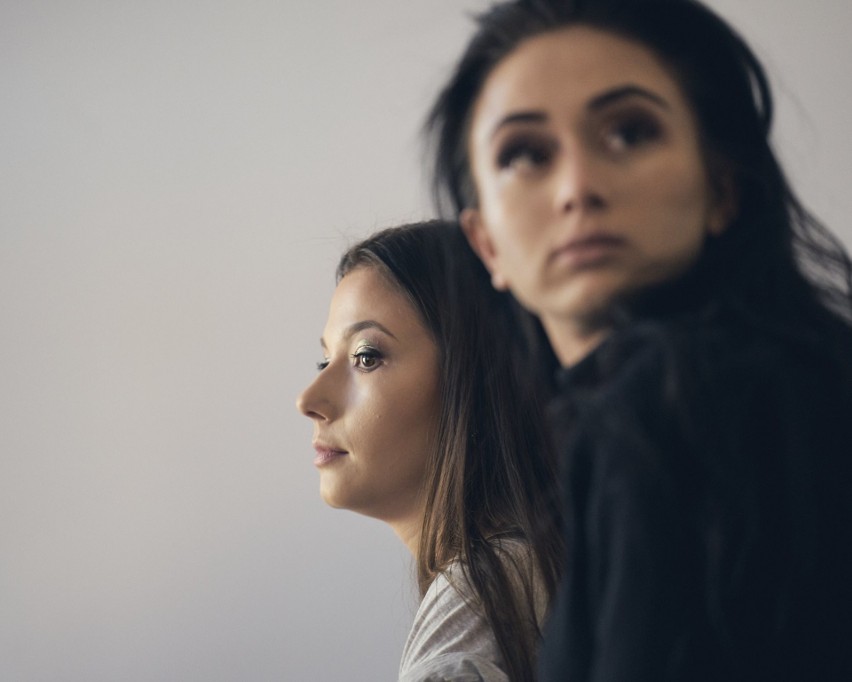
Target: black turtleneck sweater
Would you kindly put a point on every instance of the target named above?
(707, 474)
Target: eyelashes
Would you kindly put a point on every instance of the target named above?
(365, 358)
(525, 152)
(616, 135)
(632, 132)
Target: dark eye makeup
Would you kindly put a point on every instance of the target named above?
(524, 150)
(631, 129)
(366, 358)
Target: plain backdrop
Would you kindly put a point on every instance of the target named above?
(177, 180)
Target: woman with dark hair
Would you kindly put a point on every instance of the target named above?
(421, 420)
(611, 165)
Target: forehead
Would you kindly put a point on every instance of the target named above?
(366, 294)
(567, 67)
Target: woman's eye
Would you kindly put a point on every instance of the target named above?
(366, 358)
(322, 364)
(631, 133)
(524, 155)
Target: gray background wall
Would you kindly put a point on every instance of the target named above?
(176, 181)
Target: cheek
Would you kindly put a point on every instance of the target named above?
(512, 218)
(681, 192)
(693, 203)
(366, 407)
(394, 411)
(518, 199)
(418, 411)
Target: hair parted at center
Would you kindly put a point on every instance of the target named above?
(491, 476)
(775, 259)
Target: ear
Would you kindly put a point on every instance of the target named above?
(480, 241)
(725, 205)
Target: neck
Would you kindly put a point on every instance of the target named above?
(572, 341)
(574, 338)
(408, 530)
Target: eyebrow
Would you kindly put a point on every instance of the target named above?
(600, 102)
(624, 92)
(353, 329)
(519, 117)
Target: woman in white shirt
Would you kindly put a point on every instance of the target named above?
(421, 419)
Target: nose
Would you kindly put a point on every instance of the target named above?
(579, 181)
(312, 401)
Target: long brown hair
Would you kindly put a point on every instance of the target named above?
(492, 475)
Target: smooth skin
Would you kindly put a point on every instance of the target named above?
(590, 179)
(375, 403)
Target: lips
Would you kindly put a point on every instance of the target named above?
(326, 455)
(587, 250)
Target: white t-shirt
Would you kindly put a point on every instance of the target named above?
(450, 640)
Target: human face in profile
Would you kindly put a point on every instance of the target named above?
(375, 403)
(590, 179)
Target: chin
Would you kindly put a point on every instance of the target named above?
(333, 498)
(586, 304)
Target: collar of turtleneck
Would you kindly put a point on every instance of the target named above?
(642, 314)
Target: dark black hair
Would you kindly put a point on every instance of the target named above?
(492, 474)
(775, 270)
(775, 261)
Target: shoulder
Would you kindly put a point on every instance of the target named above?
(675, 401)
(714, 410)
(519, 562)
(450, 638)
(710, 367)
